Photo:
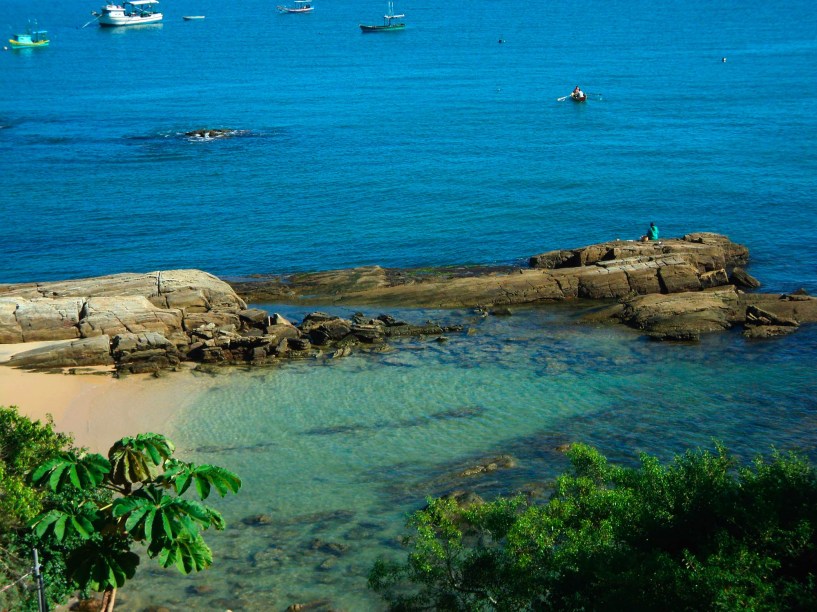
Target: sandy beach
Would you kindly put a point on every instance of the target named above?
(95, 407)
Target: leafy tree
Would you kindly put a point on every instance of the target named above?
(23, 445)
(699, 533)
(102, 506)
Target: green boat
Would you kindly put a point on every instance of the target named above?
(388, 25)
(32, 39)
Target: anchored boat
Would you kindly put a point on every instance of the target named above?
(31, 39)
(389, 25)
(135, 12)
(301, 6)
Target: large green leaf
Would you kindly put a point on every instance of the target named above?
(97, 567)
(69, 470)
(151, 515)
(136, 459)
(65, 522)
(205, 477)
(186, 553)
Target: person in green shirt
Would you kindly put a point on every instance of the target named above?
(652, 233)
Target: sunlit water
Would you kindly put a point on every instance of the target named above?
(336, 453)
(437, 145)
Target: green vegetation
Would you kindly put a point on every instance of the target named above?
(23, 444)
(698, 534)
(86, 512)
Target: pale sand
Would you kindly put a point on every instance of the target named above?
(98, 409)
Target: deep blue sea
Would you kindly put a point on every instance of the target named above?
(435, 145)
(432, 146)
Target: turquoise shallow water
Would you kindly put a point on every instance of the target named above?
(336, 453)
(434, 146)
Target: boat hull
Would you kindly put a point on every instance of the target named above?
(118, 19)
(25, 45)
(29, 40)
(578, 98)
(283, 9)
(395, 27)
(192, 17)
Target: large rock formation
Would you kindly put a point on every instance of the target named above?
(108, 305)
(602, 271)
(148, 322)
(671, 289)
(674, 289)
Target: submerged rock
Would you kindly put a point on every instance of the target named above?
(208, 133)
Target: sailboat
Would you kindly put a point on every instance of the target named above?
(389, 25)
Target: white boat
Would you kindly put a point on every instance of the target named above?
(135, 12)
(191, 17)
(301, 6)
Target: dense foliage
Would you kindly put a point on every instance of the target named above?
(699, 534)
(23, 445)
(88, 511)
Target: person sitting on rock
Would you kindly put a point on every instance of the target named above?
(652, 233)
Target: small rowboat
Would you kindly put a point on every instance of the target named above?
(191, 17)
(579, 97)
(389, 25)
(301, 6)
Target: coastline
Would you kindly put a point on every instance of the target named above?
(101, 344)
(93, 406)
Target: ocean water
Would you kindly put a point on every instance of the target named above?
(432, 146)
(435, 145)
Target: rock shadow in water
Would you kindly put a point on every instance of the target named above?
(417, 421)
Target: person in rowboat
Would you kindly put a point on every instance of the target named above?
(577, 92)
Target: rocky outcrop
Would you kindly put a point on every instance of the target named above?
(741, 278)
(30, 320)
(603, 271)
(188, 290)
(157, 301)
(674, 289)
(86, 352)
(680, 316)
(141, 320)
(248, 336)
(705, 251)
(687, 316)
(319, 335)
